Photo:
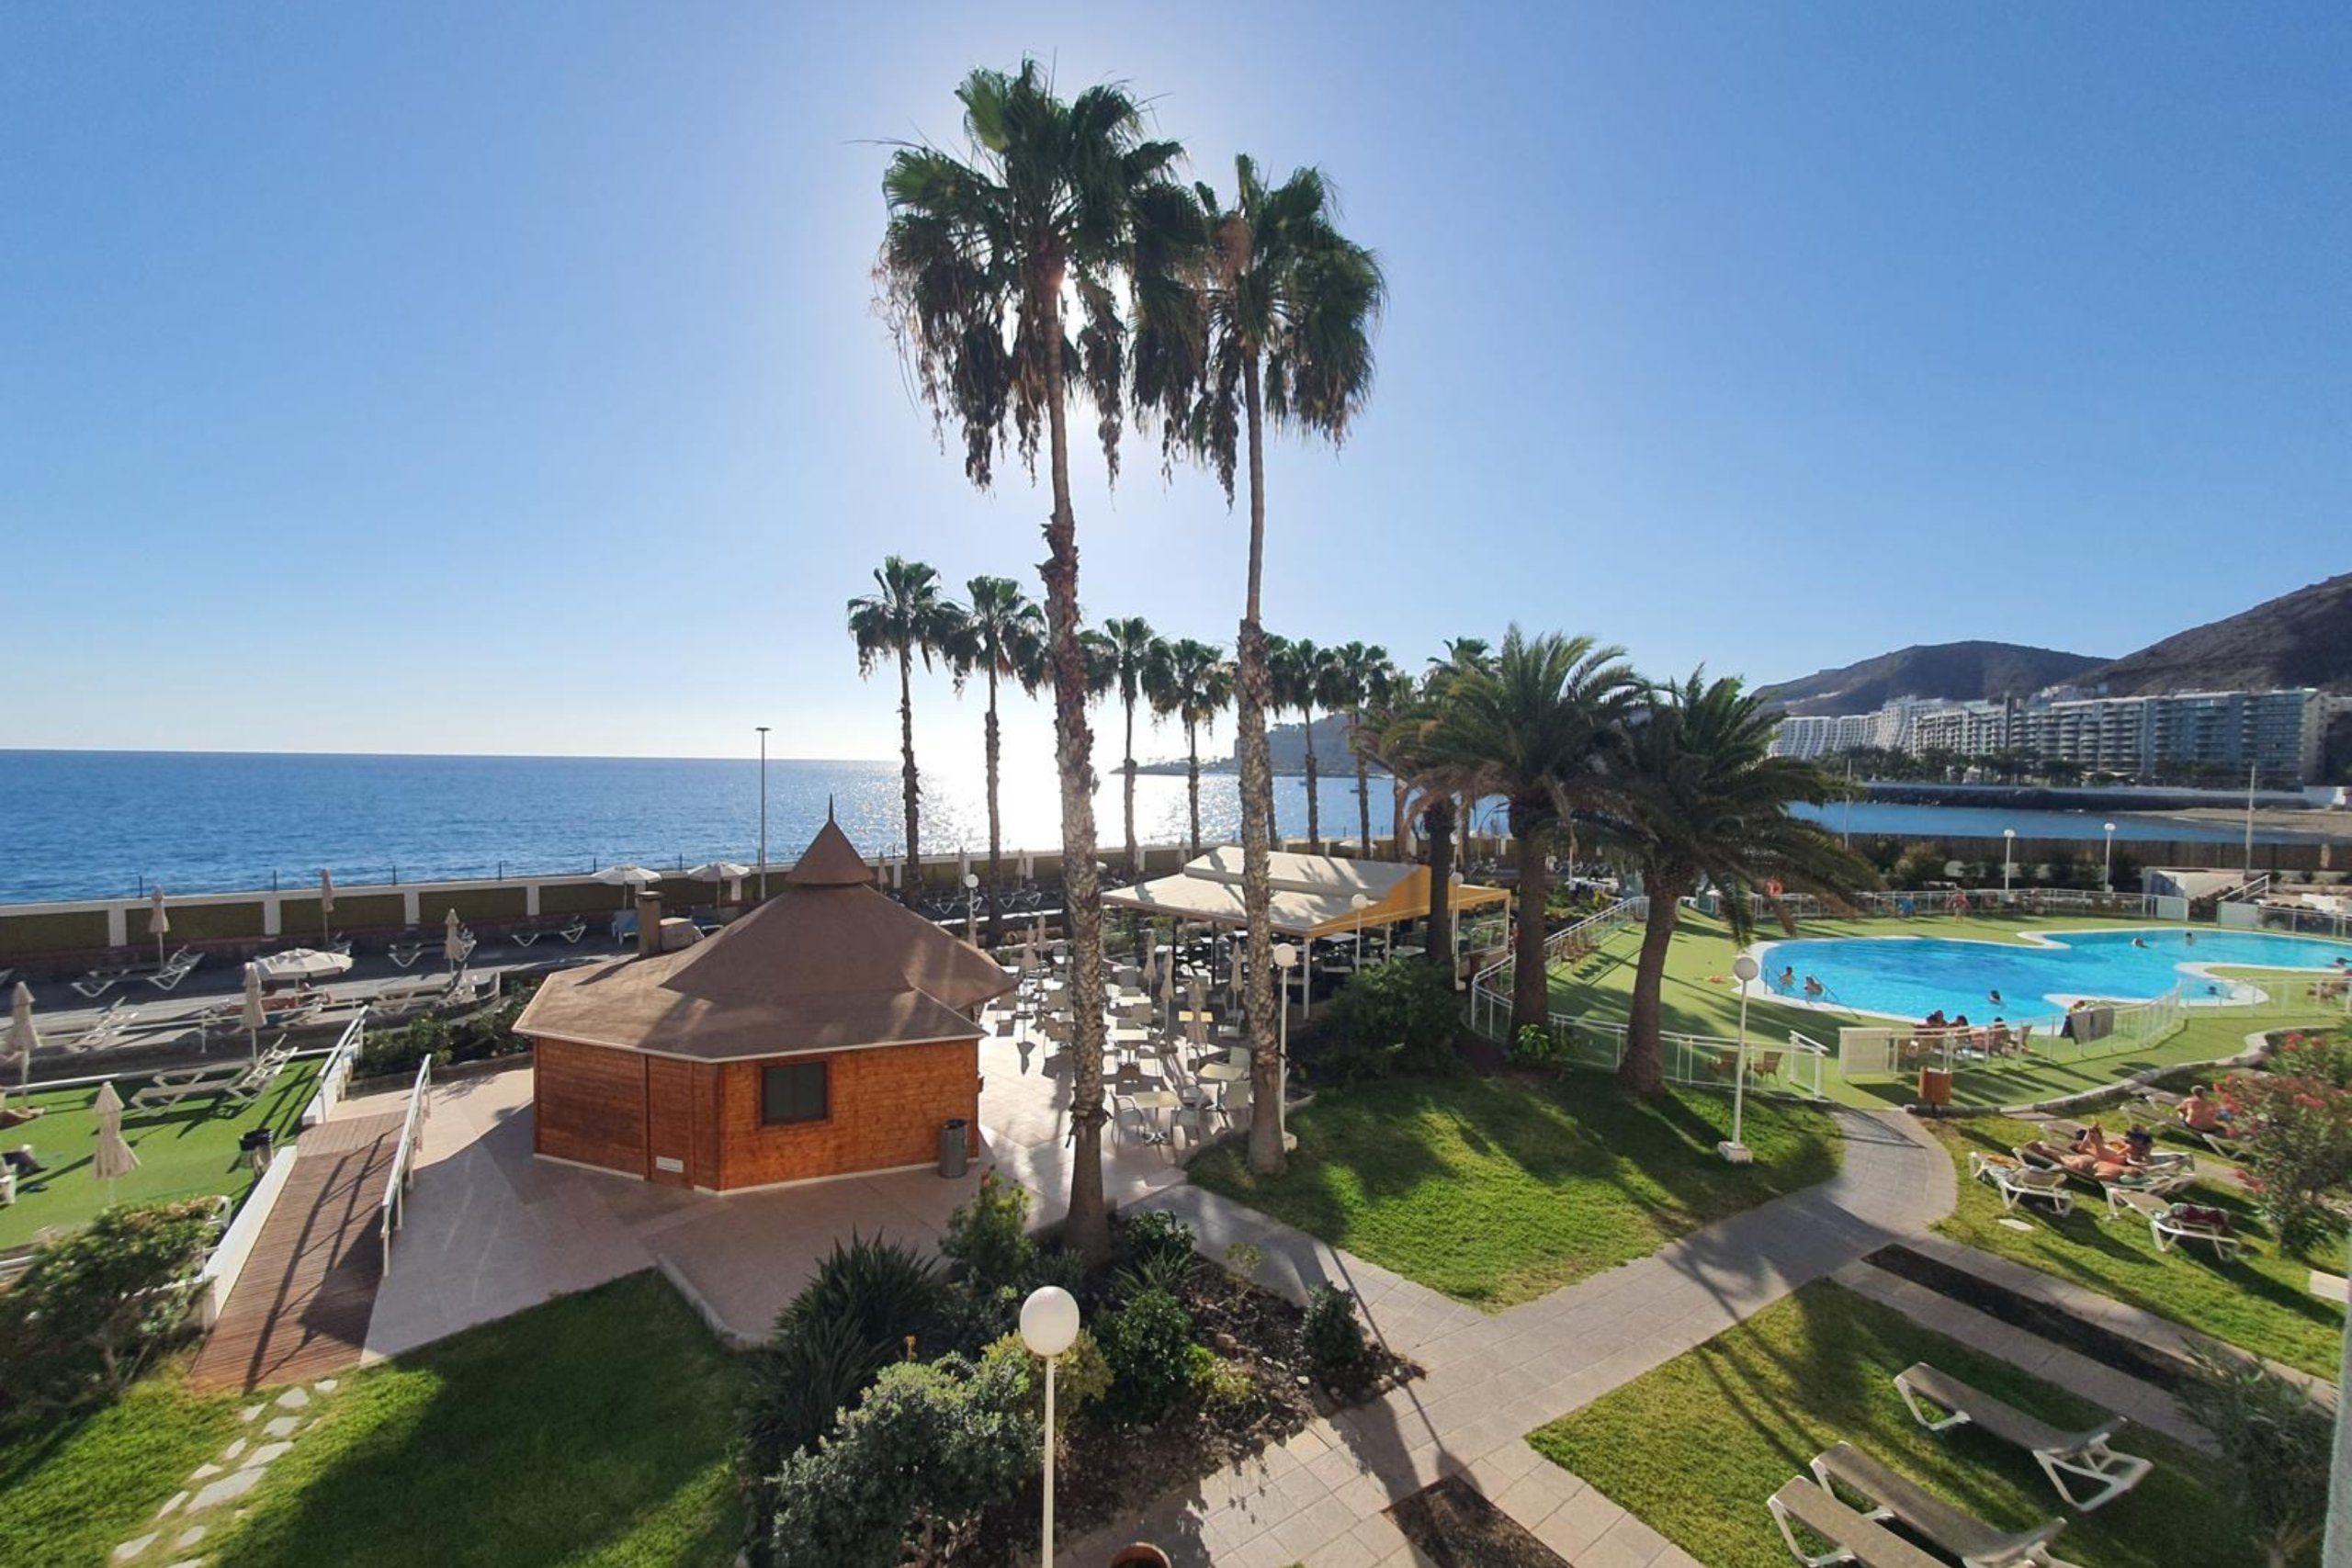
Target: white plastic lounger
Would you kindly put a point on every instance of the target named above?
(1852, 1537)
(1845, 1472)
(194, 1083)
(181, 965)
(571, 933)
(2017, 1181)
(2082, 1456)
(2168, 1226)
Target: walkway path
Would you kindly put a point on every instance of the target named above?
(301, 1308)
(1320, 1497)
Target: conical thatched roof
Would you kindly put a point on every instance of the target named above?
(828, 964)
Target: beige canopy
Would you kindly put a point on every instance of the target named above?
(1313, 894)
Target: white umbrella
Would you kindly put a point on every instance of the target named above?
(627, 875)
(1168, 987)
(23, 1038)
(326, 908)
(158, 922)
(719, 871)
(115, 1158)
(453, 944)
(256, 1014)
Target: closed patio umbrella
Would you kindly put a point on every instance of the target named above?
(326, 908)
(453, 943)
(1197, 995)
(1168, 989)
(256, 1014)
(1149, 974)
(159, 924)
(23, 1038)
(114, 1159)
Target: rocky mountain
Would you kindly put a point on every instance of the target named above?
(2303, 638)
(1961, 671)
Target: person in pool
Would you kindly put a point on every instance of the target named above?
(2140, 941)
(2188, 937)
(1787, 981)
(1995, 996)
(1814, 988)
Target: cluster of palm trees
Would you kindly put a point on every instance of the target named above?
(1056, 260)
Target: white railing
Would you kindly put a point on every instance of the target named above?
(1696, 1061)
(2293, 918)
(227, 1260)
(1490, 987)
(420, 1097)
(337, 1070)
(1956, 901)
(1893, 1050)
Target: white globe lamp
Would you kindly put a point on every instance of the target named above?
(1744, 969)
(1050, 1327)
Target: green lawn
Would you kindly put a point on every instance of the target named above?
(590, 1431)
(187, 1150)
(2261, 1302)
(1496, 1191)
(1698, 999)
(73, 1490)
(1696, 1445)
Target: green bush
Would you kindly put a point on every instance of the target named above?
(1157, 1248)
(1223, 1385)
(1332, 1336)
(1398, 1017)
(1536, 1047)
(1148, 1344)
(95, 1306)
(987, 1236)
(2275, 1440)
(924, 1450)
(2298, 1143)
(1082, 1375)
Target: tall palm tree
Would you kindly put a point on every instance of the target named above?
(1281, 333)
(1359, 671)
(1396, 739)
(905, 616)
(1296, 666)
(1192, 683)
(1001, 635)
(1463, 653)
(1051, 198)
(1126, 651)
(1534, 728)
(1701, 796)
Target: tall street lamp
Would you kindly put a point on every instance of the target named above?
(1359, 904)
(1285, 959)
(2107, 864)
(1050, 1327)
(2008, 843)
(971, 903)
(763, 812)
(1744, 969)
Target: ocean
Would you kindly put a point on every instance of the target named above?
(111, 824)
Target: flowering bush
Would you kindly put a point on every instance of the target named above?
(2297, 1123)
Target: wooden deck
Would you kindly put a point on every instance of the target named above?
(301, 1306)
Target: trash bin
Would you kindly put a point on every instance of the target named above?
(1935, 1086)
(258, 1146)
(954, 1146)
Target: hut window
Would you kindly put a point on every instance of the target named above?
(796, 1092)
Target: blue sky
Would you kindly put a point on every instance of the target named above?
(441, 377)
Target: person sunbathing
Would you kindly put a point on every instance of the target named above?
(2201, 1111)
(16, 1116)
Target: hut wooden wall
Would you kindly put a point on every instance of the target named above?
(589, 1105)
(887, 1108)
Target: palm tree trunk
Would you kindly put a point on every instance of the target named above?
(1254, 683)
(1396, 816)
(1088, 1229)
(909, 780)
(1438, 822)
(1363, 791)
(1193, 781)
(1314, 807)
(996, 846)
(1644, 1069)
(1135, 855)
(1531, 985)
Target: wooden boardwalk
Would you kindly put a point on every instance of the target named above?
(301, 1308)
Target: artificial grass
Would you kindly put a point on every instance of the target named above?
(185, 1151)
(1694, 1448)
(1498, 1190)
(1698, 996)
(592, 1432)
(73, 1490)
(2260, 1303)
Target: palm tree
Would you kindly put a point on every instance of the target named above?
(1703, 798)
(1001, 635)
(1296, 666)
(1396, 739)
(1127, 653)
(905, 616)
(1192, 683)
(1463, 653)
(1051, 198)
(1281, 330)
(1359, 673)
(1534, 728)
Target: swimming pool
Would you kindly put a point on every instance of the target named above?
(1909, 977)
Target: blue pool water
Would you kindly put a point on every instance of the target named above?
(1912, 977)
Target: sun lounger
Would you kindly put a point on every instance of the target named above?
(1845, 1472)
(2077, 1456)
(2014, 1180)
(238, 1083)
(1852, 1537)
(2168, 1173)
(99, 981)
(571, 933)
(177, 968)
(406, 953)
(2170, 1222)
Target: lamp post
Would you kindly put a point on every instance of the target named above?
(2106, 862)
(1285, 958)
(1744, 969)
(1359, 904)
(2009, 844)
(971, 901)
(763, 811)
(1050, 1327)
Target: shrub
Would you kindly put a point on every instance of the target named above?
(1148, 1344)
(1223, 1385)
(987, 1236)
(2275, 1441)
(1399, 1016)
(1157, 1248)
(1054, 1266)
(1535, 1047)
(1245, 1258)
(2298, 1142)
(924, 1450)
(94, 1307)
(1081, 1376)
(1332, 1336)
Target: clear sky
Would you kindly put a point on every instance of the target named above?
(450, 378)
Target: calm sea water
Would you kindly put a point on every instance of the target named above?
(99, 824)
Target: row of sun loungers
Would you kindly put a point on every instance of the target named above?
(2169, 1222)
(231, 1083)
(1850, 1498)
(165, 975)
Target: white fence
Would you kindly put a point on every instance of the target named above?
(1893, 1050)
(1490, 987)
(2291, 919)
(337, 1070)
(1958, 901)
(1697, 1061)
(403, 1171)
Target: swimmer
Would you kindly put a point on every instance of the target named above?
(2140, 941)
(1814, 988)
(1995, 996)
(1787, 981)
